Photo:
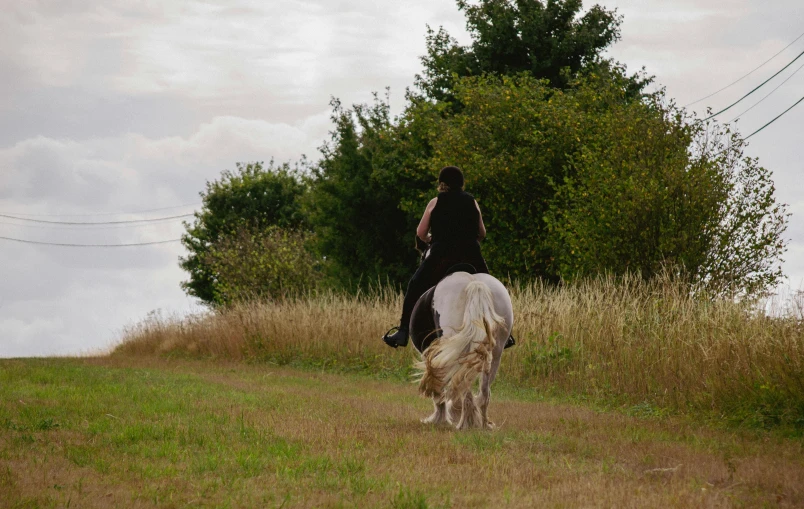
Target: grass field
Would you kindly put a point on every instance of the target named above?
(130, 431)
(624, 341)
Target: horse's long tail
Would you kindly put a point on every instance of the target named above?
(451, 364)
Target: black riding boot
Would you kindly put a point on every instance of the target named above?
(423, 279)
(398, 338)
(511, 342)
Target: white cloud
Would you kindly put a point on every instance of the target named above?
(42, 169)
(290, 51)
(90, 311)
(57, 300)
(120, 106)
(44, 175)
(691, 43)
(225, 138)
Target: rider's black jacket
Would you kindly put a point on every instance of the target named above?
(454, 225)
(455, 219)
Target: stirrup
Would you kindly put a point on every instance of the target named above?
(511, 342)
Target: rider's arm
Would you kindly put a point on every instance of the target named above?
(481, 230)
(424, 225)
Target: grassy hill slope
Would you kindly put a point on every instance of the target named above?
(145, 432)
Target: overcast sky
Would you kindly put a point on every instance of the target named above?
(120, 106)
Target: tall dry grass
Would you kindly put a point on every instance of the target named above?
(643, 343)
(325, 328)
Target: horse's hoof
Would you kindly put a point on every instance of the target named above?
(433, 419)
(490, 426)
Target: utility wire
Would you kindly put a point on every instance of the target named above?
(775, 119)
(155, 219)
(89, 245)
(769, 94)
(763, 127)
(86, 227)
(746, 75)
(105, 213)
(754, 90)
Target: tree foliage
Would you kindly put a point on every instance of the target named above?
(269, 263)
(355, 201)
(745, 254)
(584, 180)
(376, 173)
(577, 170)
(549, 39)
(572, 183)
(254, 195)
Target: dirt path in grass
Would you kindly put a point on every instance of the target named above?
(259, 435)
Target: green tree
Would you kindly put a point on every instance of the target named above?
(550, 40)
(354, 202)
(257, 196)
(585, 180)
(576, 168)
(269, 263)
(377, 173)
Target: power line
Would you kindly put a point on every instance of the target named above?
(775, 118)
(89, 245)
(746, 75)
(754, 90)
(769, 94)
(96, 222)
(88, 227)
(105, 213)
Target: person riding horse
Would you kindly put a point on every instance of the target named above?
(452, 225)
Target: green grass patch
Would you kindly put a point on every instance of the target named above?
(166, 436)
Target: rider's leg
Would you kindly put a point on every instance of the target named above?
(421, 281)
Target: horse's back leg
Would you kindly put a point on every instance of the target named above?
(439, 415)
(470, 416)
(485, 385)
(454, 411)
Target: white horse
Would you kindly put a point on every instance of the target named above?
(473, 315)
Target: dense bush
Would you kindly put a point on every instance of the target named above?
(572, 183)
(253, 195)
(267, 264)
(584, 181)
(354, 201)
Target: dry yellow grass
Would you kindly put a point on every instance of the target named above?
(647, 344)
(326, 327)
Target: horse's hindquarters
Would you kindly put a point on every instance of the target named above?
(449, 302)
(502, 304)
(475, 316)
